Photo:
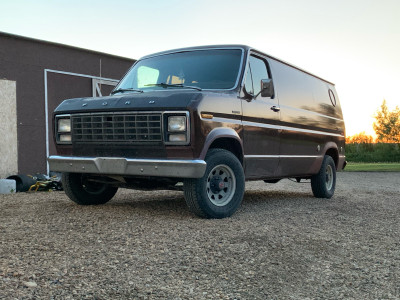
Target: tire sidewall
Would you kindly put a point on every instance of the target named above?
(318, 181)
(77, 181)
(329, 161)
(72, 184)
(214, 158)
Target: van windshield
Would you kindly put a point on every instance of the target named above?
(200, 69)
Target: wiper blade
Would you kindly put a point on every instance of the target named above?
(125, 90)
(166, 85)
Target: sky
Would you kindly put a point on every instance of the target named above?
(352, 43)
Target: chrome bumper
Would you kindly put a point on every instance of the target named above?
(126, 166)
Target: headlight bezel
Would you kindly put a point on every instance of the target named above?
(174, 133)
(63, 135)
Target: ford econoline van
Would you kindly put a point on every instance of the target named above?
(209, 117)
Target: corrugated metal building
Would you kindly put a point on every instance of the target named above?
(35, 76)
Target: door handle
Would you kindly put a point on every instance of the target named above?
(275, 108)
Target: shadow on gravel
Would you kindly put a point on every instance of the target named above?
(173, 203)
(275, 196)
(154, 204)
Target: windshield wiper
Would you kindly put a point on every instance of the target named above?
(125, 90)
(166, 85)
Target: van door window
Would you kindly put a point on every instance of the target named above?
(258, 71)
(248, 83)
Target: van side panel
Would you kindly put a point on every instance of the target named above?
(215, 111)
(308, 119)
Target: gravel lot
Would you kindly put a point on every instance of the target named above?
(282, 244)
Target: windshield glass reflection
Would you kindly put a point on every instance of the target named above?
(202, 69)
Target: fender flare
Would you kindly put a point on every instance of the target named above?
(331, 146)
(218, 133)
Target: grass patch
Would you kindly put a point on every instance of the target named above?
(372, 167)
(371, 153)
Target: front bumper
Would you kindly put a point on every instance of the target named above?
(126, 166)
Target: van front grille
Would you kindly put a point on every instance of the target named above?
(116, 127)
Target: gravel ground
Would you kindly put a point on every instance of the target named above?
(281, 244)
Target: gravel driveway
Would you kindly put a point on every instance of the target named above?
(282, 244)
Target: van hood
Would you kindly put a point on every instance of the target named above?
(154, 100)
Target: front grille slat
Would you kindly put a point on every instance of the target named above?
(117, 127)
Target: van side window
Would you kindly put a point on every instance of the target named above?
(258, 71)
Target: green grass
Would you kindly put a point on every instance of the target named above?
(370, 153)
(372, 167)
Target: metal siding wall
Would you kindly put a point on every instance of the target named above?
(23, 60)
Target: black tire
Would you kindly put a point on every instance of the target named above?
(219, 193)
(85, 192)
(323, 184)
(22, 182)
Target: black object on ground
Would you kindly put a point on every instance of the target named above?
(22, 182)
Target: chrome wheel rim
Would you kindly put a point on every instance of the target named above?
(221, 185)
(329, 177)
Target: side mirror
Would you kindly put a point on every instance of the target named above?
(267, 88)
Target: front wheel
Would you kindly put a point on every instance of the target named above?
(323, 184)
(80, 189)
(219, 193)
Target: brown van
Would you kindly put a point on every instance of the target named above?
(210, 117)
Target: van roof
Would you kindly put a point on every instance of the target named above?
(230, 46)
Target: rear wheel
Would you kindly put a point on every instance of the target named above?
(80, 189)
(219, 192)
(323, 184)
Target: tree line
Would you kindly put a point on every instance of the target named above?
(386, 127)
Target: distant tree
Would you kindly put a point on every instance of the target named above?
(360, 138)
(387, 124)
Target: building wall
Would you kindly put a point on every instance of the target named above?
(8, 128)
(24, 61)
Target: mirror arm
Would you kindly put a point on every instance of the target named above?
(247, 96)
(257, 94)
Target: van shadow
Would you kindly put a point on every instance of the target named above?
(278, 200)
(174, 205)
(154, 203)
(276, 195)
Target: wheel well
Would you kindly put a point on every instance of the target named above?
(229, 144)
(332, 152)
